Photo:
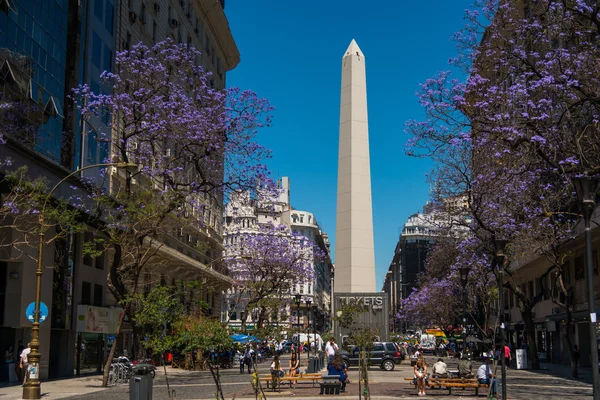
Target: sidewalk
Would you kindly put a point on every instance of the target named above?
(551, 382)
(58, 389)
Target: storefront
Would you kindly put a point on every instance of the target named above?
(96, 329)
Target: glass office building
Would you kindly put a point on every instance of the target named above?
(33, 48)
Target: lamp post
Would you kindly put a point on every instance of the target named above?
(298, 300)
(32, 388)
(464, 277)
(308, 303)
(315, 327)
(587, 188)
(500, 246)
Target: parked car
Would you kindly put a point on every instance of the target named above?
(286, 347)
(384, 354)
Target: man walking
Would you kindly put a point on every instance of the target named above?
(331, 348)
(23, 363)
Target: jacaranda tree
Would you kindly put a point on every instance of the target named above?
(266, 264)
(524, 123)
(191, 144)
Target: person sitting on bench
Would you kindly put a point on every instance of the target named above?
(484, 374)
(336, 367)
(465, 368)
(440, 369)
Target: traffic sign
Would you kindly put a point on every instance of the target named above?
(30, 311)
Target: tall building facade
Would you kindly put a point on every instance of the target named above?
(47, 47)
(419, 232)
(244, 215)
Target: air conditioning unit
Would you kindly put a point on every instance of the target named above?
(133, 181)
(132, 17)
(174, 23)
(168, 153)
(156, 7)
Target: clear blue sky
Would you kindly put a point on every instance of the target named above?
(291, 54)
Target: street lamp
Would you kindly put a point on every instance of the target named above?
(32, 388)
(587, 188)
(464, 277)
(308, 303)
(315, 327)
(298, 300)
(500, 246)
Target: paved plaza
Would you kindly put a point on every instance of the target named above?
(549, 383)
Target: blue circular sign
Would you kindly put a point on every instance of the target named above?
(30, 311)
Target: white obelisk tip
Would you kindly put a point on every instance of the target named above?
(353, 50)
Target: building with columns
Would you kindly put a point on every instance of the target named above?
(244, 214)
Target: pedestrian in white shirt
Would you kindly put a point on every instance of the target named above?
(331, 348)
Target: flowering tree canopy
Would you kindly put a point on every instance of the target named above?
(524, 123)
(267, 263)
(190, 143)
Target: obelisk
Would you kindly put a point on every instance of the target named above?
(354, 248)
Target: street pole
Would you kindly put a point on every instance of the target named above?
(308, 328)
(586, 188)
(500, 246)
(502, 337)
(32, 386)
(315, 328)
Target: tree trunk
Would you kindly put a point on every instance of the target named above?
(530, 328)
(111, 354)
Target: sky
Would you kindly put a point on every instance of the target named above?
(291, 54)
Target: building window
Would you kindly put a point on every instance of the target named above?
(98, 11)
(109, 18)
(107, 58)
(579, 274)
(97, 51)
(98, 295)
(86, 293)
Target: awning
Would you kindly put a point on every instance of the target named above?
(581, 315)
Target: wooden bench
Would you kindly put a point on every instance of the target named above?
(449, 383)
(289, 379)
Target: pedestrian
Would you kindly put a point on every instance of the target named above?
(465, 367)
(576, 355)
(9, 360)
(331, 349)
(484, 375)
(440, 369)
(507, 356)
(18, 369)
(420, 370)
(248, 356)
(294, 367)
(24, 362)
(336, 367)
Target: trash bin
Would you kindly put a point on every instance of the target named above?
(312, 365)
(140, 383)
